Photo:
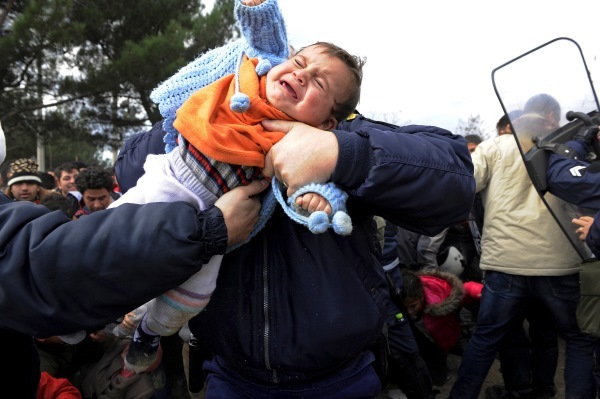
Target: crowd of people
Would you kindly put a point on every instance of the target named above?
(396, 246)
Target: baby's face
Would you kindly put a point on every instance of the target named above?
(306, 86)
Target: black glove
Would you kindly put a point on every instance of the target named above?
(586, 134)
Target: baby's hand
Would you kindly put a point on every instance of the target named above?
(312, 202)
(252, 3)
(128, 324)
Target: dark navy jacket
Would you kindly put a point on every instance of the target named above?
(59, 276)
(291, 305)
(577, 182)
(129, 166)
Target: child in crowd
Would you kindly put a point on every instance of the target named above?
(433, 300)
(222, 144)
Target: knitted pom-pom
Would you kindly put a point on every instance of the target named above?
(342, 224)
(318, 222)
(170, 143)
(240, 102)
(263, 67)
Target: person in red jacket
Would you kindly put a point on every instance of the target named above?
(56, 388)
(433, 300)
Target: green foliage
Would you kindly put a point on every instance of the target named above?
(78, 74)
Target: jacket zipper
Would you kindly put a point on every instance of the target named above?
(267, 324)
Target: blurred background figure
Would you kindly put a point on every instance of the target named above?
(24, 183)
(473, 141)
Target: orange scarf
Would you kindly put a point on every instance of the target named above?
(207, 122)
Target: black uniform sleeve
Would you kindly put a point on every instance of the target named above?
(58, 276)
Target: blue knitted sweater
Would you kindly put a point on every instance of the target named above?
(264, 37)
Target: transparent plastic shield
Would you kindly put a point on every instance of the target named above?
(553, 71)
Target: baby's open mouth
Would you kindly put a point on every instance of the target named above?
(290, 90)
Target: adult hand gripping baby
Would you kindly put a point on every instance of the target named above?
(304, 155)
(240, 208)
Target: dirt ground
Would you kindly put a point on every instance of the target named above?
(494, 377)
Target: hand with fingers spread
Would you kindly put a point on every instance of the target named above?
(304, 155)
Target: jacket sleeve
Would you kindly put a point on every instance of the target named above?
(58, 276)
(574, 181)
(59, 388)
(593, 237)
(129, 166)
(418, 177)
(428, 249)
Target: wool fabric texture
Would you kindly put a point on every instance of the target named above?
(212, 111)
(319, 221)
(24, 169)
(264, 37)
(207, 122)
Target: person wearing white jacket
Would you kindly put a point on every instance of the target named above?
(525, 257)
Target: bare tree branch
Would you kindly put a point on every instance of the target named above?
(42, 106)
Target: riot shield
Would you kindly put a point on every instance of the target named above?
(548, 96)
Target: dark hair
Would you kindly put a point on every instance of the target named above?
(58, 202)
(65, 167)
(473, 138)
(355, 64)
(412, 287)
(48, 181)
(80, 164)
(502, 122)
(94, 178)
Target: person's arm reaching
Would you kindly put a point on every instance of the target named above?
(418, 177)
(58, 276)
(574, 180)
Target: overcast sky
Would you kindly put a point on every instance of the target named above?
(430, 62)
